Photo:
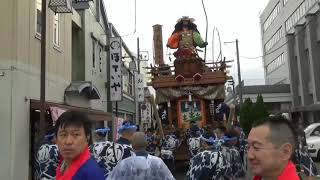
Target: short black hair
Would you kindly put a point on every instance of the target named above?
(281, 130)
(74, 118)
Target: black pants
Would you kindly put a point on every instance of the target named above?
(170, 164)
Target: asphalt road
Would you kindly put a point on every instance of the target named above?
(181, 171)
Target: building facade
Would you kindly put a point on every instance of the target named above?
(68, 86)
(304, 64)
(20, 76)
(278, 19)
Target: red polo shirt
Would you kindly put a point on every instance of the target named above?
(289, 173)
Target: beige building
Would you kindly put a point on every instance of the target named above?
(72, 79)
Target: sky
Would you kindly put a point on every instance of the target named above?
(235, 19)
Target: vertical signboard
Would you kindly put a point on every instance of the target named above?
(146, 112)
(139, 87)
(115, 69)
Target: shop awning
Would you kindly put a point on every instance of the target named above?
(83, 88)
(93, 114)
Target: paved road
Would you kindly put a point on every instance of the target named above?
(181, 172)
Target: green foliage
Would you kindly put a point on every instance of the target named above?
(251, 112)
(245, 115)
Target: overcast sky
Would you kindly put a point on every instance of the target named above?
(233, 18)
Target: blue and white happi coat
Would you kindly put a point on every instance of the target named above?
(232, 155)
(47, 159)
(168, 145)
(304, 162)
(209, 165)
(194, 145)
(152, 145)
(108, 154)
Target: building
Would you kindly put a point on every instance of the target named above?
(20, 77)
(89, 57)
(278, 19)
(277, 98)
(304, 64)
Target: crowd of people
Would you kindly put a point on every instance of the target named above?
(271, 150)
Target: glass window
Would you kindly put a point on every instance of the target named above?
(38, 16)
(271, 17)
(275, 64)
(273, 40)
(56, 29)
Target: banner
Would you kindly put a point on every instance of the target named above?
(115, 69)
(139, 87)
(56, 113)
(146, 112)
(117, 124)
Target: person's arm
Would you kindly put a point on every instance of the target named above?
(198, 40)
(173, 41)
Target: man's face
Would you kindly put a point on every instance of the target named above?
(71, 141)
(263, 156)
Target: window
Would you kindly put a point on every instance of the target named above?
(130, 83)
(100, 58)
(299, 13)
(275, 64)
(38, 17)
(273, 40)
(271, 17)
(93, 53)
(56, 29)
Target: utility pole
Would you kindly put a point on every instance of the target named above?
(43, 69)
(138, 104)
(239, 74)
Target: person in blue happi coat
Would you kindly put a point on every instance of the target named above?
(47, 158)
(152, 142)
(209, 164)
(168, 146)
(73, 131)
(108, 154)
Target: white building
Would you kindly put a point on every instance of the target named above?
(277, 19)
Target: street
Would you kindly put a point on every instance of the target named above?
(181, 172)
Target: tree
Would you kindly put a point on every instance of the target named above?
(246, 119)
(250, 113)
(259, 109)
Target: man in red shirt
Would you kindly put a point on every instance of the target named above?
(271, 144)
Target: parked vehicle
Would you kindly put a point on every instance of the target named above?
(313, 140)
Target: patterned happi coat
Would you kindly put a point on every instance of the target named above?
(209, 165)
(304, 162)
(232, 155)
(168, 145)
(152, 145)
(108, 154)
(194, 146)
(47, 159)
